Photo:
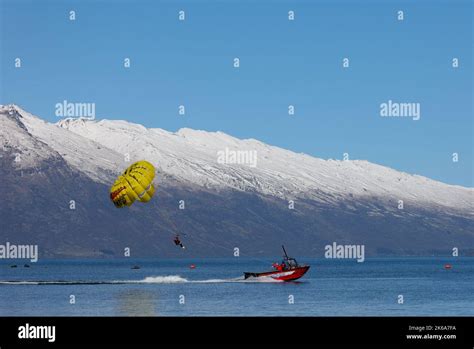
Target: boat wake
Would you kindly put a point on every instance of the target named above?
(168, 279)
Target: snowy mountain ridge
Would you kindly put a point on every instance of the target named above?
(100, 148)
(46, 166)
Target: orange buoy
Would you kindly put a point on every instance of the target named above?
(448, 266)
(192, 266)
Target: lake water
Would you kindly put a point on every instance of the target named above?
(215, 287)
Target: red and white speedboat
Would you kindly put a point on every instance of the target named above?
(288, 270)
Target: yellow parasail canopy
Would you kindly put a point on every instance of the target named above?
(134, 184)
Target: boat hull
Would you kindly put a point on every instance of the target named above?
(284, 275)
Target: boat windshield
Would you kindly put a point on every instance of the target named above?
(290, 263)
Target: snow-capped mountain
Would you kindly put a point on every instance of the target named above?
(94, 160)
(192, 156)
(245, 203)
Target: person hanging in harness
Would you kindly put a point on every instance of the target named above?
(178, 242)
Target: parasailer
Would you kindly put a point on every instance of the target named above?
(177, 241)
(134, 184)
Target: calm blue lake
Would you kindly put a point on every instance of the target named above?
(168, 287)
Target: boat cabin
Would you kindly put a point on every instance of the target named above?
(289, 263)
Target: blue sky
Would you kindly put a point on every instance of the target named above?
(282, 62)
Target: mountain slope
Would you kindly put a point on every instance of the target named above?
(226, 205)
(191, 156)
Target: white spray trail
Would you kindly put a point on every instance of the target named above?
(167, 279)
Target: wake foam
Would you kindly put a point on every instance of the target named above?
(168, 279)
